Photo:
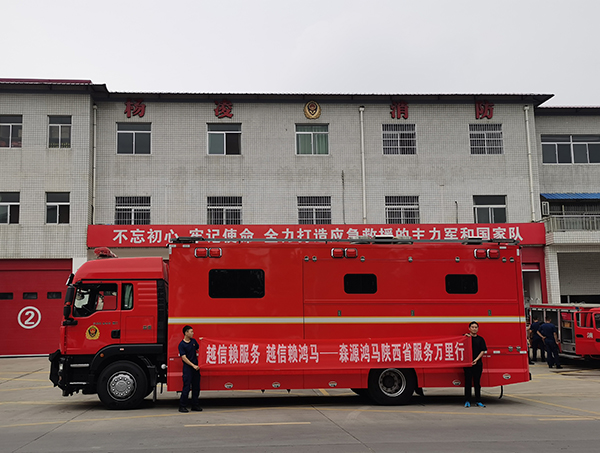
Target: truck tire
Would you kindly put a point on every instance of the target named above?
(122, 385)
(392, 385)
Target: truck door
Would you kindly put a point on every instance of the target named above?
(584, 333)
(139, 312)
(97, 312)
(566, 332)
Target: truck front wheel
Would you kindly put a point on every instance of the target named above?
(122, 385)
(392, 385)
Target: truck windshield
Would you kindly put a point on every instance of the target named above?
(91, 298)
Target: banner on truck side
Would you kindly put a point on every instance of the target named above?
(334, 354)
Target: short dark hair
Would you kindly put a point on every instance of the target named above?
(535, 318)
(186, 328)
(473, 322)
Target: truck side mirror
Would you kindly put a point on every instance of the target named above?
(68, 301)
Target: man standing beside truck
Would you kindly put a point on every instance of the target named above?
(549, 333)
(188, 351)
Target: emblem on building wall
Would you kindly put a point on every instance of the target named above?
(312, 110)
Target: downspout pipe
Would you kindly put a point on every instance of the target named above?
(530, 163)
(94, 152)
(361, 111)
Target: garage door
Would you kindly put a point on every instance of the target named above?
(32, 293)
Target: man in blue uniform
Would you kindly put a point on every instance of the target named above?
(549, 333)
(473, 372)
(536, 340)
(188, 351)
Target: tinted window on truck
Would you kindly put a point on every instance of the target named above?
(461, 284)
(360, 283)
(236, 283)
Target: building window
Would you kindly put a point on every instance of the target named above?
(489, 208)
(57, 207)
(132, 211)
(9, 207)
(224, 139)
(224, 211)
(59, 133)
(133, 138)
(399, 138)
(571, 149)
(401, 209)
(314, 210)
(486, 138)
(313, 139)
(11, 131)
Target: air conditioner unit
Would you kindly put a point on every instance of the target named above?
(545, 208)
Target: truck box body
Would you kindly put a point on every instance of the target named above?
(322, 297)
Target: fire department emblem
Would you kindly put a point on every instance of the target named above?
(312, 110)
(92, 333)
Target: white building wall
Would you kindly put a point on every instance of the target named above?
(179, 174)
(35, 169)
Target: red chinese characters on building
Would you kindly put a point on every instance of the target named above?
(223, 109)
(135, 108)
(484, 109)
(399, 110)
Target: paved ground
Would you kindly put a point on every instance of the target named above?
(558, 411)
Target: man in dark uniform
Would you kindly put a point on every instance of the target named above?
(549, 333)
(536, 340)
(473, 372)
(188, 351)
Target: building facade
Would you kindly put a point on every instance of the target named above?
(84, 166)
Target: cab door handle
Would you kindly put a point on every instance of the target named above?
(115, 334)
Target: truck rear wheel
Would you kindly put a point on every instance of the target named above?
(392, 385)
(122, 385)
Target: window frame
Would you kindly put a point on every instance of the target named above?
(404, 206)
(13, 208)
(572, 141)
(134, 134)
(490, 208)
(227, 129)
(230, 209)
(133, 208)
(312, 138)
(314, 205)
(61, 126)
(487, 130)
(15, 130)
(401, 150)
(60, 211)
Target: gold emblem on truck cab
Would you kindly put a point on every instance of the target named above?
(92, 333)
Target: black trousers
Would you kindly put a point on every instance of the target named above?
(473, 379)
(191, 379)
(552, 351)
(538, 343)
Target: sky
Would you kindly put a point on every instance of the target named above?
(326, 46)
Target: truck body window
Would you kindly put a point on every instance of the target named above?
(360, 283)
(597, 319)
(127, 303)
(236, 283)
(461, 284)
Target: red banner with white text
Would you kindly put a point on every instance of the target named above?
(161, 235)
(334, 354)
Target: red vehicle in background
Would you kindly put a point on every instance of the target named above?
(578, 327)
(383, 316)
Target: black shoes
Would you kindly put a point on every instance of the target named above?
(183, 409)
(196, 408)
(558, 367)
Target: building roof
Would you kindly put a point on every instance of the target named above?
(100, 92)
(571, 196)
(567, 111)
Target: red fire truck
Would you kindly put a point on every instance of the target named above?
(383, 316)
(578, 327)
